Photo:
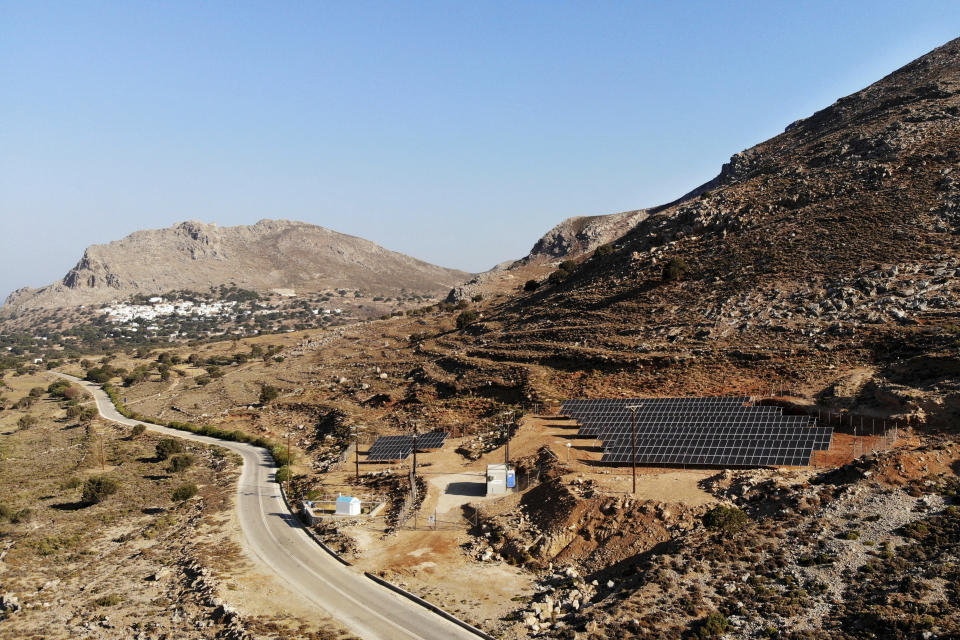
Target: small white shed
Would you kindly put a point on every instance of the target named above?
(348, 506)
(496, 479)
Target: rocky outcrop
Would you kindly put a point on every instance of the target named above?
(272, 254)
(576, 236)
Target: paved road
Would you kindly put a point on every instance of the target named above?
(277, 540)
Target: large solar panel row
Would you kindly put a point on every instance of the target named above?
(575, 402)
(587, 419)
(591, 425)
(715, 453)
(570, 407)
(716, 422)
(819, 436)
(623, 410)
(400, 447)
(735, 416)
(721, 431)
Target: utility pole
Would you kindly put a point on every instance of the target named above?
(506, 424)
(356, 448)
(506, 443)
(632, 408)
(413, 470)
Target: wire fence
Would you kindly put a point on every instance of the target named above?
(344, 456)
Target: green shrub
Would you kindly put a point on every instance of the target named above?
(477, 298)
(466, 318)
(557, 276)
(96, 488)
(713, 626)
(675, 269)
(268, 393)
(100, 375)
(27, 421)
(180, 463)
(184, 492)
(603, 250)
(531, 285)
(726, 520)
(283, 474)
(167, 447)
(21, 515)
(111, 600)
(58, 388)
(281, 455)
(52, 544)
(137, 430)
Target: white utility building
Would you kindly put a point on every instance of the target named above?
(348, 506)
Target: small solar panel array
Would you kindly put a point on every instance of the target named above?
(391, 448)
(432, 440)
(722, 431)
(400, 447)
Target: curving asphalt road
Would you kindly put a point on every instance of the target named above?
(277, 540)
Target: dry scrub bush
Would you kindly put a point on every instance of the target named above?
(97, 488)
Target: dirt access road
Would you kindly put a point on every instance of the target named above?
(275, 539)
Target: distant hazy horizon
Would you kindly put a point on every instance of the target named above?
(456, 133)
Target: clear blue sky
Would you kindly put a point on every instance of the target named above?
(457, 132)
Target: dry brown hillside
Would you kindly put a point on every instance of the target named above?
(830, 247)
(272, 254)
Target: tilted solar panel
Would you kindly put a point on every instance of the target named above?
(432, 440)
(723, 431)
(591, 423)
(391, 448)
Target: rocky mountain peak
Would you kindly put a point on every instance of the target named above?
(271, 254)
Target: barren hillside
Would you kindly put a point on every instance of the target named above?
(830, 247)
(272, 254)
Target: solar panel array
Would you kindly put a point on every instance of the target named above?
(400, 447)
(432, 440)
(597, 425)
(721, 431)
(391, 448)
